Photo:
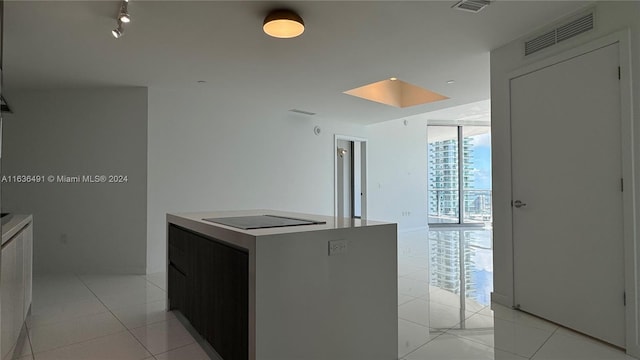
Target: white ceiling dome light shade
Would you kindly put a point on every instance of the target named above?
(283, 24)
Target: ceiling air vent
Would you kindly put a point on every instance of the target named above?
(302, 112)
(560, 33)
(473, 6)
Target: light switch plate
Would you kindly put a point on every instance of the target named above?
(337, 247)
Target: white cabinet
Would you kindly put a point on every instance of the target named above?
(15, 288)
(27, 242)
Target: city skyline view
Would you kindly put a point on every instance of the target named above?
(444, 187)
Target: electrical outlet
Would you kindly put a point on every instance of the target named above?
(337, 247)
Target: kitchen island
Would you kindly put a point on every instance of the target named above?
(322, 291)
(16, 269)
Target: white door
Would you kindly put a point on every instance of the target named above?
(344, 178)
(351, 178)
(567, 169)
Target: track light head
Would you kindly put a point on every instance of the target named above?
(125, 18)
(124, 12)
(119, 31)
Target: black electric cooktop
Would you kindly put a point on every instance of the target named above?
(262, 221)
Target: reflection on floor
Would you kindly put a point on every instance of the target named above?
(443, 297)
(105, 317)
(445, 312)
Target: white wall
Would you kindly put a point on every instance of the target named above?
(397, 173)
(610, 17)
(214, 151)
(398, 163)
(80, 227)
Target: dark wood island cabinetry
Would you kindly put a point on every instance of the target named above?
(208, 284)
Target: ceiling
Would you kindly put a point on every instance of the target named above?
(174, 44)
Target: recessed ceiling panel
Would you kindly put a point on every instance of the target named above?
(396, 93)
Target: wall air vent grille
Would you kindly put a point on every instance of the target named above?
(541, 42)
(473, 6)
(560, 33)
(575, 27)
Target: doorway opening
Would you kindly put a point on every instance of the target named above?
(459, 180)
(350, 177)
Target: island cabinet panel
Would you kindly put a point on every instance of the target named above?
(209, 285)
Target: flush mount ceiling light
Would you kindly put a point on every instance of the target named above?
(396, 93)
(283, 24)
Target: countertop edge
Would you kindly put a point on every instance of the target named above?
(14, 225)
(247, 238)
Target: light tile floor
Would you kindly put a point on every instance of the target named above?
(435, 323)
(110, 317)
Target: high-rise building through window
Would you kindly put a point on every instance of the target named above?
(459, 166)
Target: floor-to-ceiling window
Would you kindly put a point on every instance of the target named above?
(459, 183)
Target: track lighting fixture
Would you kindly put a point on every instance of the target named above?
(122, 18)
(119, 31)
(124, 12)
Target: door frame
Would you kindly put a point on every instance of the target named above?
(363, 173)
(631, 227)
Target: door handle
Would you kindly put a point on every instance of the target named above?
(519, 204)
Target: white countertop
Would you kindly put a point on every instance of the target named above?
(331, 221)
(246, 239)
(14, 224)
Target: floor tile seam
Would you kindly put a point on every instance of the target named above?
(77, 342)
(148, 324)
(156, 323)
(160, 353)
(520, 323)
(408, 301)
(452, 307)
(126, 290)
(530, 326)
(132, 305)
(106, 275)
(179, 347)
(57, 303)
(414, 322)
(154, 284)
(69, 319)
(544, 343)
(414, 299)
(118, 319)
(442, 331)
(423, 345)
(33, 355)
(487, 345)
